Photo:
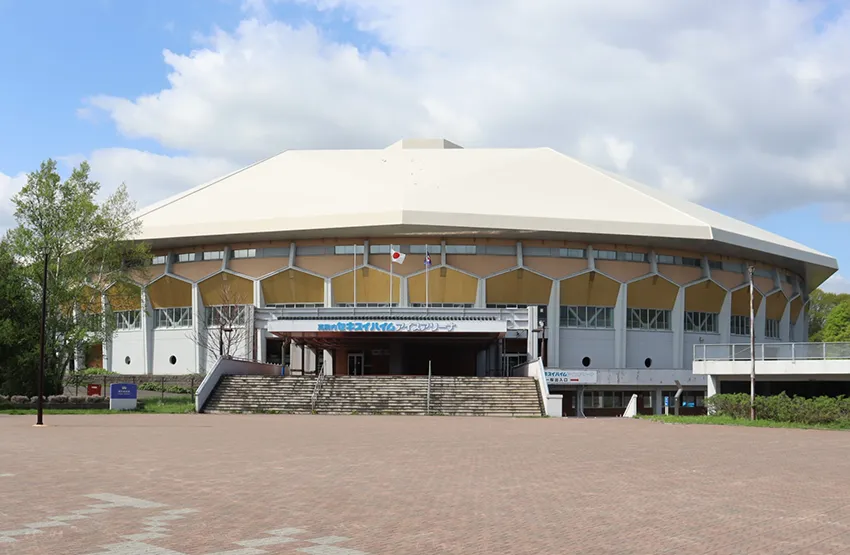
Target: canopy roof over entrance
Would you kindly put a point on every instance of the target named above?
(434, 186)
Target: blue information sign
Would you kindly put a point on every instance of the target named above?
(666, 401)
(123, 391)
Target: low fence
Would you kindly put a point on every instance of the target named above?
(183, 384)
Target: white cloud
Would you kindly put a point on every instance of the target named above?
(748, 106)
(836, 284)
(9, 185)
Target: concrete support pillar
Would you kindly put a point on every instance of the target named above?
(678, 327)
(761, 317)
(329, 293)
(553, 326)
(532, 341)
(328, 363)
(785, 324)
(402, 293)
(148, 324)
(79, 353)
(658, 401)
(261, 345)
(199, 330)
(481, 297)
(713, 385)
(620, 313)
(724, 326)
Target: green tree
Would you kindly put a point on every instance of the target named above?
(837, 327)
(820, 305)
(19, 328)
(89, 246)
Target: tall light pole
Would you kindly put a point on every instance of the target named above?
(751, 270)
(40, 418)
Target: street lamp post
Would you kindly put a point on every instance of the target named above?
(221, 331)
(751, 270)
(40, 418)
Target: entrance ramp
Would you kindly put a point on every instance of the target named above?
(404, 395)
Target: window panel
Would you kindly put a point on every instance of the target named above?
(169, 318)
(740, 325)
(572, 253)
(245, 253)
(701, 322)
(771, 328)
(349, 249)
(186, 257)
(461, 249)
(605, 255)
(379, 249)
(227, 315)
(665, 259)
(128, 319)
(158, 260)
(648, 319)
(592, 317)
(213, 255)
(631, 256)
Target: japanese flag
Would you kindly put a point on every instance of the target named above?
(397, 257)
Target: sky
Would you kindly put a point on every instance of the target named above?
(744, 109)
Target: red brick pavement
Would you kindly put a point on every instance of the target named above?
(413, 485)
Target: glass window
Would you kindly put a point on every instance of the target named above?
(587, 317)
(157, 260)
(379, 249)
(499, 250)
(693, 262)
(701, 322)
(506, 305)
(213, 255)
(422, 249)
(349, 249)
(461, 249)
(734, 267)
(740, 325)
(227, 315)
(318, 250)
(648, 319)
(128, 319)
(245, 253)
(665, 259)
(715, 264)
(538, 251)
(572, 253)
(631, 256)
(771, 328)
(295, 305)
(167, 318)
(605, 255)
(274, 252)
(186, 257)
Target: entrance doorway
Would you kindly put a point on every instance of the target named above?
(355, 364)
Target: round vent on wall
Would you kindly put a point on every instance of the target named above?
(172, 359)
(585, 362)
(647, 362)
(126, 360)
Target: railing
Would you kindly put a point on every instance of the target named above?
(228, 366)
(315, 396)
(772, 351)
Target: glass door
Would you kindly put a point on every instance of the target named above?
(355, 364)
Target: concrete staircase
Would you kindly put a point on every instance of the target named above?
(459, 396)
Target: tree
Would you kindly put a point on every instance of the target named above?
(226, 332)
(89, 246)
(19, 328)
(837, 327)
(820, 305)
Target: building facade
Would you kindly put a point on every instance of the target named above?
(291, 261)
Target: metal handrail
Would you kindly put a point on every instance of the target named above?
(732, 352)
(316, 387)
(428, 393)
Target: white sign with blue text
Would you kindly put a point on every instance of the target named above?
(570, 377)
(387, 326)
(123, 396)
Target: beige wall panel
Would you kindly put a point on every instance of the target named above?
(328, 265)
(652, 292)
(373, 286)
(623, 271)
(788, 289)
(412, 263)
(765, 285)
(680, 274)
(455, 287)
(144, 276)
(590, 289)
(196, 271)
(258, 267)
(169, 292)
(124, 297)
(291, 286)
(555, 267)
(518, 287)
(704, 297)
(796, 309)
(741, 302)
(729, 280)
(775, 305)
(224, 289)
(481, 264)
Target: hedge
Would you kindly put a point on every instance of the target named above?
(782, 408)
(154, 386)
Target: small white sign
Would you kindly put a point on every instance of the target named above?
(570, 377)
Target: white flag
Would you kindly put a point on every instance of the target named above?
(397, 257)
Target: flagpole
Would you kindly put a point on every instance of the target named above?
(391, 277)
(355, 276)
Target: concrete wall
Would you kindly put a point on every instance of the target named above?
(657, 345)
(177, 343)
(579, 343)
(128, 344)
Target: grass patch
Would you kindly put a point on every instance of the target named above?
(169, 405)
(730, 421)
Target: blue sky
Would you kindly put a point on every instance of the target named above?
(56, 54)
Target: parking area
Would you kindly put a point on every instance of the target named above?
(383, 485)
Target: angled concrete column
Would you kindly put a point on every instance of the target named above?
(785, 324)
(678, 327)
(148, 323)
(481, 297)
(329, 293)
(107, 341)
(724, 326)
(199, 330)
(713, 385)
(620, 312)
(553, 326)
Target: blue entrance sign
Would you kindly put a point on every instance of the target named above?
(387, 326)
(123, 396)
(123, 391)
(666, 401)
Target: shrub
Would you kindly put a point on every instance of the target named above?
(57, 399)
(20, 400)
(95, 399)
(4, 399)
(154, 386)
(77, 400)
(34, 400)
(735, 405)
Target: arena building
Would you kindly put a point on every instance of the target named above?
(362, 262)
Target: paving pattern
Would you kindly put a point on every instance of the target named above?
(384, 485)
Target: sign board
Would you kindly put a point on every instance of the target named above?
(123, 396)
(570, 377)
(94, 389)
(388, 325)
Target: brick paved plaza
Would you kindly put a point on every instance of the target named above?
(355, 485)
